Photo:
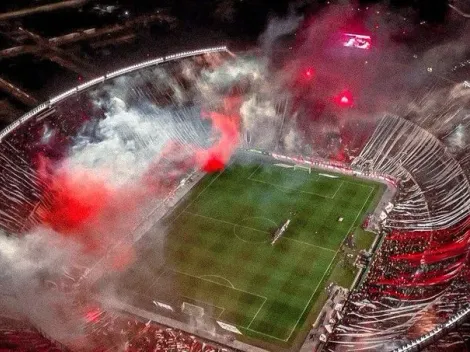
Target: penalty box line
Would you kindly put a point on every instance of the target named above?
(259, 309)
(283, 188)
(208, 304)
(329, 266)
(232, 288)
(199, 194)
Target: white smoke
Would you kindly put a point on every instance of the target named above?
(130, 137)
(261, 119)
(30, 266)
(127, 141)
(276, 28)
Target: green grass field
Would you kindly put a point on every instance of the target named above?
(218, 252)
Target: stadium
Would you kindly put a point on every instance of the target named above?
(202, 215)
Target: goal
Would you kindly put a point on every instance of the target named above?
(303, 167)
(192, 309)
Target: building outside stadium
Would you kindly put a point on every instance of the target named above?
(221, 270)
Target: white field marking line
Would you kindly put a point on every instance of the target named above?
(282, 188)
(261, 217)
(360, 211)
(288, 189)
(359, 184)
(210, 183)
(262, 333)
(163, 270)
(232, 288)
(249, 177)
(200, 193)
(209, 304)
(252, 217)
(248, 328)
(225, 222)
(334, 195)
(332, 260)
(308, 244)
(315, 176)
(130, 234)
(219, 277)
(311, 297)
(259, 309)
(252, 242)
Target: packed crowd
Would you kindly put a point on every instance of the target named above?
(410, 269)
(419, 276)
(415, 275)
(113, 332)
(19, 337)
(48, 136)
(106, 332)
(422, 259)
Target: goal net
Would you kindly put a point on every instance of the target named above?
(192, 309)
(303, 167)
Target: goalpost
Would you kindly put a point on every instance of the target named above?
(303, 167)
(192, 309)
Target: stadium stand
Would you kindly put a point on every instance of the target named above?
(18, 336)
(418, 279)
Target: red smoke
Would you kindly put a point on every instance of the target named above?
(176, 159)
(216, 157)
(77, 199)
(82, 206)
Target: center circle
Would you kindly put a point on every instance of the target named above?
(255, 229)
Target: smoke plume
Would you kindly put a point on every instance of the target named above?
(161, 125)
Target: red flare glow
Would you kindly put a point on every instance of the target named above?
(309, 73)
(216, 157)
(213, 163)
(77, 199)
(344, 99)
(83, 207)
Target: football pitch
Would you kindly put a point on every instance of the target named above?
(218, 251)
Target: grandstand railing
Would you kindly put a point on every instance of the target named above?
(23, 119)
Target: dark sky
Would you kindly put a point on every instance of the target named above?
(234, 11)
(249, 16)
